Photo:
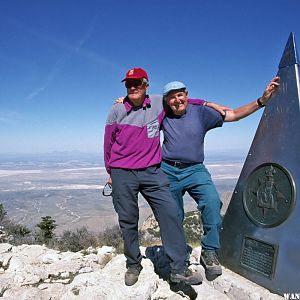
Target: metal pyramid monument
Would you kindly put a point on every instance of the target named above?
(260, 238)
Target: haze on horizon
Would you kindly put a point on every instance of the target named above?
(71, 191)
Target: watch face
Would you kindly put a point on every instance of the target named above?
(269, 195)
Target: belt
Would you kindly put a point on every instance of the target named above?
(178, 164)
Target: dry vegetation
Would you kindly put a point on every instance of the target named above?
(82, 238)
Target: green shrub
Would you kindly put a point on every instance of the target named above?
(112, 237)
(47, 227)
(77, 240)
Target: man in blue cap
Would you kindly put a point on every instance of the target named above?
(184, 128)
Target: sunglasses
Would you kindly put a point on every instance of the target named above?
(133, 83)
(107, 190)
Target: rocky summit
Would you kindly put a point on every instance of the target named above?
(36, 272)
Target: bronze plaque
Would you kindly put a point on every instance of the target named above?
(269, 195)
(259, 256)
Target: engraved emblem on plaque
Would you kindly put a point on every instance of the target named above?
(269, 195)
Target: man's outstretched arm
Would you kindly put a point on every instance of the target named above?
(248, 109)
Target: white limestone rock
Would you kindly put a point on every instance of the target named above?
(207, 292)
(51, 257)
(4, 260)
(195, 255)
(89, 250)
(35, 272)
(5, 248)
(85, 270)
(238, 287)
(106, 250)
(45, 292)
(6, 282)
(26, 293)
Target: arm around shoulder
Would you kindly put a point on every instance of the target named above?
(218, 107)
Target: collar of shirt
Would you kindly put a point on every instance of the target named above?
(129, 106)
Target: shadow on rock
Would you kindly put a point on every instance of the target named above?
(160, 260)
(161, 263)
(183, 288)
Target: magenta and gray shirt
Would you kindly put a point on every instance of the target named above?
(131, 139)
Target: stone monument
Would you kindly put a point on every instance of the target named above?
(260, 238)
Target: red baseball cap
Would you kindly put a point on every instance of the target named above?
(136, 73)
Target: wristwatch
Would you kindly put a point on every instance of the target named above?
(260, 103)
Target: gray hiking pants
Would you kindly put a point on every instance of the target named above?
(153, 184)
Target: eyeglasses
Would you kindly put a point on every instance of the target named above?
(107, 190)
(133, 83)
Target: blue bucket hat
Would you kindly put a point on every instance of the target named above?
(172, 86)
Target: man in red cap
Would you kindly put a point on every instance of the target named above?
(132, 155)
(136, 73)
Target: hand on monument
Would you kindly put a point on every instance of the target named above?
(270, 89)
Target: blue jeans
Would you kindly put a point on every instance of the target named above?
(196, 180)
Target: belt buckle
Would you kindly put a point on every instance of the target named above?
(177, 164)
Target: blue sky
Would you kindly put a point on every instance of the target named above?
(61, 63)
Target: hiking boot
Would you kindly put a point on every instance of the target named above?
(210, 262)
(132, 274)
(187, 277)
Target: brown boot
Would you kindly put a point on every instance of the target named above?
(210, 262)
(132, 274)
